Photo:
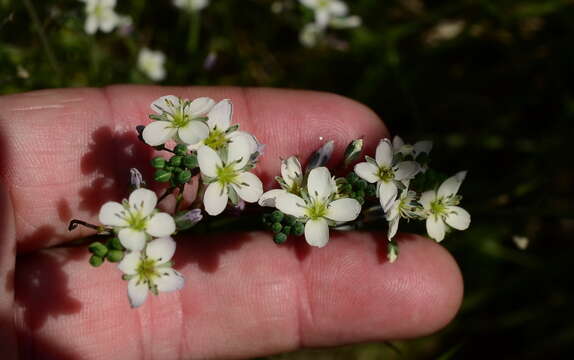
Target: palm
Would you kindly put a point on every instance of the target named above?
(66, 152)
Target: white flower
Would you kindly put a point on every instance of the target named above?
(191, 5)
(152, 64)
(386, 174)
(150, 270)
(404, 206)
(290, 181)
(325, 10)
(101, 15)
(317, 208)
(217, 131)
(441, 208)
(444, 31)
(420, 147)
(179, 118)
(309, 35)
(135, 220)
(228, 177)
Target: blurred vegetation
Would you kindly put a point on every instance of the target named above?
(495, 94)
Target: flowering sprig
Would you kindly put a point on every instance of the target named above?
(206, 167)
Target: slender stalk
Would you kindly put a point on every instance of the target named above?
(43, 39)
(194, 30)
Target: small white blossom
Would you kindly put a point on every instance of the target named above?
(317, 209)
(420, 147)
(150, 270)
(521, 242)
(152, 64)
(290, 181)
(181, 119)
(404, 206)
(441, 208)
(310, 34)
(191, 5)
(386, 174)
(325, 10)
(228, 177)
(136, 220)
(100, 15)
(444, 31)
(217, 131)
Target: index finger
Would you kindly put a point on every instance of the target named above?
(66, 152)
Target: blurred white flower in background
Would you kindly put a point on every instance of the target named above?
(444, 31)
(152, 64)
(100, 15)
(328, 14)
(191, 5)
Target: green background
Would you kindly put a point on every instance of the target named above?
(497, 100)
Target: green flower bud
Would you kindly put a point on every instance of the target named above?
(184, 176)
(176, 160)
(360, 199)
(115, 244)
(280, 238)
(115, 256)
(98, 249)
(180, 149)
(158, 162)
(287, 230)
(353, 151)
(276, 227)
(162, 175)
(266, 218)
(360, 193)
(96, 260)
(352, 178)
(277, 216)
(177, 170)
(190, 161)
(371, 190)
(298, 229)
(290, 220)
(361, 184)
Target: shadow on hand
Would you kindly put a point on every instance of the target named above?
(109, 159)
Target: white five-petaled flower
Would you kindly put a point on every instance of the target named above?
(150, 270)
(191, 5)
(317, 208)
(290, 181)
(404, 206)
(217, 131)
(420, 147)
(228, 177)
(152, 64)
(325, 10)
(182, 119)
(441, 208)
(386, 174)
(136, 220)
(101, 16)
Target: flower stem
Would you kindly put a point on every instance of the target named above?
(193, 35)
(100, 229)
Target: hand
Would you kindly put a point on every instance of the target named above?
(63, 153)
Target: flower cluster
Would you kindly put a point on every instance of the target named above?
(206, 154)
(327, 14)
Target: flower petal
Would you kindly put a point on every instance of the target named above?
(384, 153)
(393, 227)
(131, 239)
(319, 184)
(130, 262)
(291, 170)
(208, 161)
(269, 197)
(158, 133)
(137, 292)
(251, 140)
(143, 200)
(161, 224)
(291, 204)
(343, 210)
(317, 232)
(169, 280)
(113, 214)
(451, 185)
(426, 198)
(424, 146)
(397, 143)
(387, 194)
(166, 103)
(193, 132)
(239, 151)
(435, 228)
(215, 199)
(338, 8)
(367, 171)
(457, 218)
(200, 106)
(220, 116)
(161, 250)
(406, 170)
(248, 187)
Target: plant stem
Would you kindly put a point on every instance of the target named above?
(194, 30)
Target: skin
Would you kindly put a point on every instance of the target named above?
(63, 153)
